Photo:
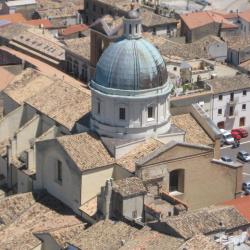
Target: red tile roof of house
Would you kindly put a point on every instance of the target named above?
(245, 15)
(242, 204)
(14, 18)
(73, 29)
(38, 22)
(198, 19)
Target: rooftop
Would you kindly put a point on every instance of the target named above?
(79, 46)
(76, 28)
(39, 22)
(128, 161)
(227, 84)
(82, 147)
(242, 205)
(171, 49)
(30, 82)
(25, 214)
(151, 240)
(104, 235)
(198, 19)
(20, 2)
(195, 134)
(206, 221)
(62, 102)
(13, 18)
(65, 234)
(200, 241)
(129, 187)
(245, 15)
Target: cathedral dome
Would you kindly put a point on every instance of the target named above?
(131, 64)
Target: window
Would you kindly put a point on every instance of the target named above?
(150, 112)
(244, 106)
(134, 214)
(231, 97)
(219, 111)
(231, 111)
(244, 92)
(130, 29)
(102, 11)
(59, 171)
(122, 113)
(136, 28)
(242, 122)
(220, 97)
(94, 7)
(98, 107)
(176, 180)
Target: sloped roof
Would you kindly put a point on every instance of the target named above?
(28, 214)
(242, 204)
(39, 22)
(73, 29)
(129, 187)
(86, 150)
(245, 15)
(198, 19)
(206, 221)
(104, 235)
(13, 18)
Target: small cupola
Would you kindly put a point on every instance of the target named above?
(132, 23)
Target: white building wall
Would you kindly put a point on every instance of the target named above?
(224, 104)
(245, 27)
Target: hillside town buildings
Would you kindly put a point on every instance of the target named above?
(110, 126)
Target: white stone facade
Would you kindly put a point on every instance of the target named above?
(233, 112)
(146, 112)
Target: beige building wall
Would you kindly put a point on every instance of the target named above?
(93, 181)
(205, 183)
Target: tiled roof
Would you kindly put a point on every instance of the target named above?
(39, 22)
(194, 133)
(73, 29)
(104, 235)
(27, 84)
(25, 215)
(245, 15)
(14, 18)
(86, 150)
(66, 234)
(206, 221)
(198, 19)
(129, 187)
(62, 102)
(200, 241)
(128, 161)
(147, 239)
(227, 84)
(242, 204)
(79, 46)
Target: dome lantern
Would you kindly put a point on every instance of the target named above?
(132, 23)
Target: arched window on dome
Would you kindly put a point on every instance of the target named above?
(151, 112)
(136, 28)
(130, 29)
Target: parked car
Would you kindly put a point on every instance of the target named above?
(244, 156)
(227, 137)
(226, 159)
(236, 135)
(246, 187)
(241, 131)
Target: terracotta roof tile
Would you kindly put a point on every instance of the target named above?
(242, 204)
(245, 15)
(86, 150)
(14, 18)
(73, 29)
(38, 22)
